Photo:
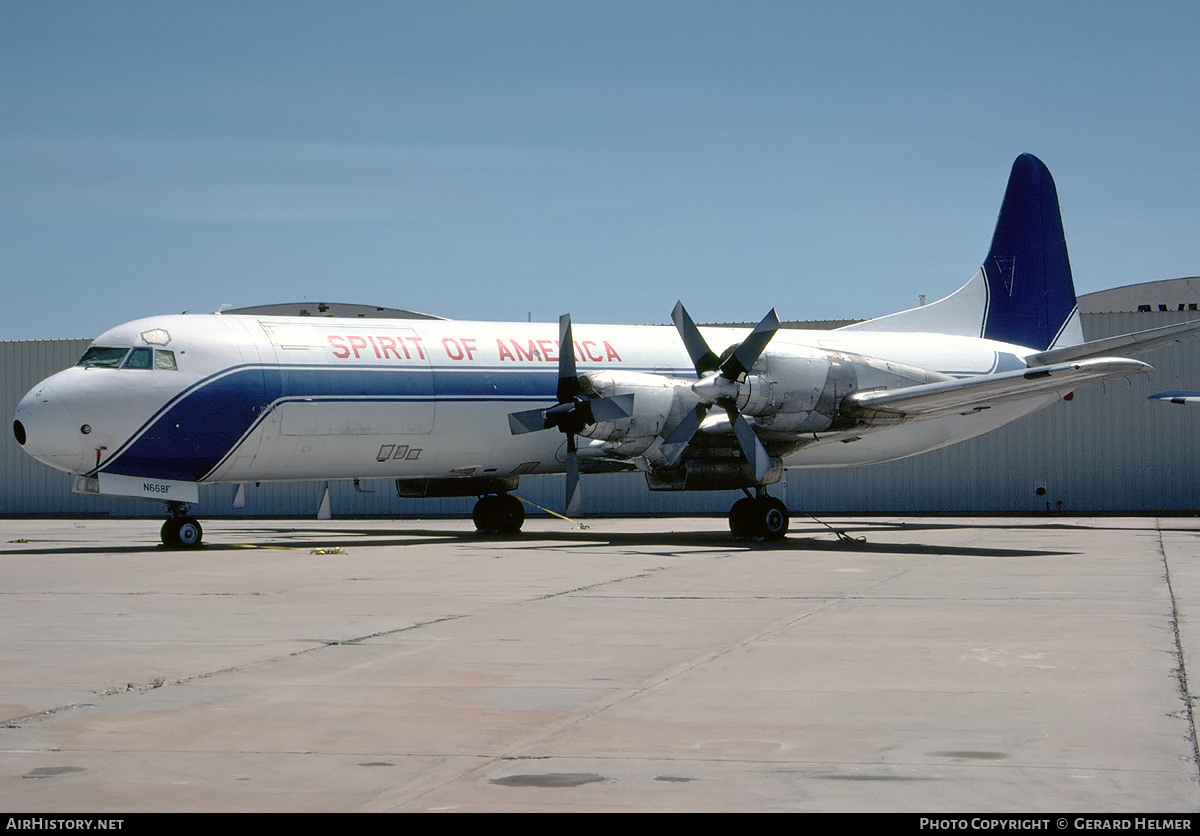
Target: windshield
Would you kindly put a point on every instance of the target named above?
(104, 357)
(138, 358)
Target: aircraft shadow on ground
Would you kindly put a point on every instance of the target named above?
(666, 543)
(847, 537)
(850, 537)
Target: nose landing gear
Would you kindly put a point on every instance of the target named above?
(181, 531)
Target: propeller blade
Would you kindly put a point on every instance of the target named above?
(574, 494)
(678, 437)
(531, 420)
(703, 358)
(611, 409)
(750, 348)
(568, 377)
(752, 448)
(577, 413)
(682, 432)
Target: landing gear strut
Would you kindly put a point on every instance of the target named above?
(499, 514)
(181, 531)
(759, 516)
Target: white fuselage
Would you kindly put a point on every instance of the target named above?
(290, 398)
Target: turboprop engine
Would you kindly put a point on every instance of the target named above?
(789, 383)
(658, 402)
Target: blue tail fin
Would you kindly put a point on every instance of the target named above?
(1031, 296)
(1023, 293)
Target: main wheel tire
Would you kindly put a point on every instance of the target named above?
(486, 514)
(742, 517)
(773, 518)
(511, 514)
(499, 514)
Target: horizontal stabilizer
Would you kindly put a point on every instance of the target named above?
(1138, 342)
(975, 393)
(1177, 397)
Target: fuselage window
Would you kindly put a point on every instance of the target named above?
(102, 357)
(165, 360)
(139, 358)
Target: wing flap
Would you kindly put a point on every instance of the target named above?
(971, 394)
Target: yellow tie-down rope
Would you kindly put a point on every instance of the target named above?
(581, 526)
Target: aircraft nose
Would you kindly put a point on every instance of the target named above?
(45, 429)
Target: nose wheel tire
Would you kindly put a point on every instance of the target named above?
(182, 533)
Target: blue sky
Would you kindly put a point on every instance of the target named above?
(492, 160)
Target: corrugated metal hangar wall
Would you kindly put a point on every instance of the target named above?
(1107, 450)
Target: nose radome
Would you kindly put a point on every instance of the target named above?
(44, 427)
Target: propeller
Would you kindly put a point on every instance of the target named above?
(719, 386)
(575, 410)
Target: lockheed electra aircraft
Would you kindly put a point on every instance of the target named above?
(159, 406)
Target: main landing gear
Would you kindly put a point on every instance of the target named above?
(759, 516)
(181, 531)
(499, 514)
(750, 518)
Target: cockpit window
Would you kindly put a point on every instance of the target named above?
(102, 357)
(139, 358)
(146, 358)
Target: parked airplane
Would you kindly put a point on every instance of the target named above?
(158, 406)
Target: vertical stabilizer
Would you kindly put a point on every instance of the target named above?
(1023, 293)
(1031, 296)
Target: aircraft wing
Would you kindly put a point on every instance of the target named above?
(1135, 343)
(1177, 397)
(971, 394)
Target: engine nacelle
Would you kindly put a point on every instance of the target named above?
(657, 400)
(808, 387)
(710, 475)
(784, 391)
(797, 379)
(467, 486)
